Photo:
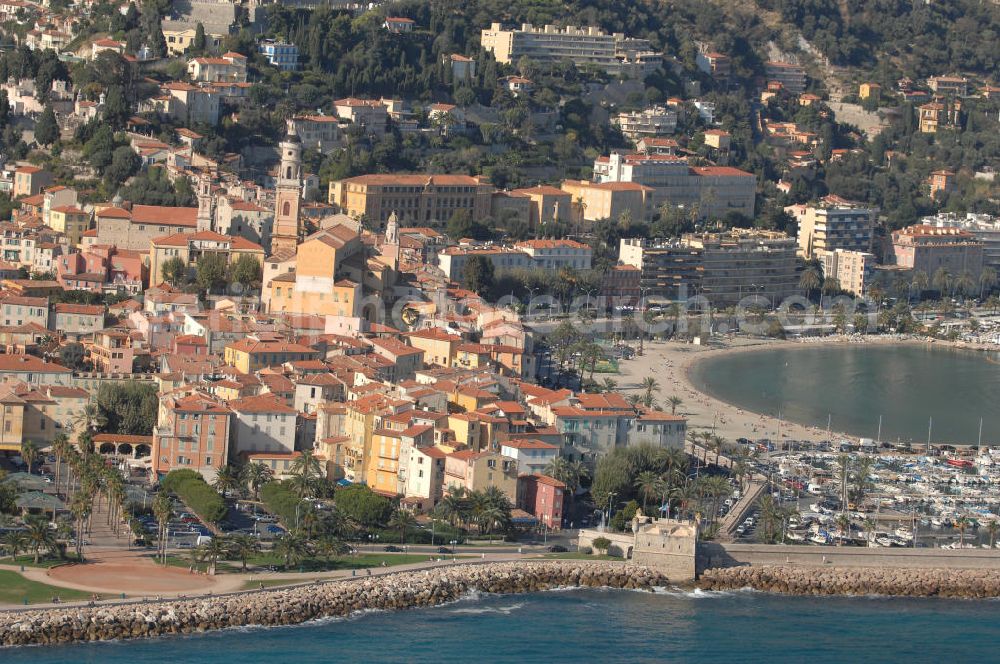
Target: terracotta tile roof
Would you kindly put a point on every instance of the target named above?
(264, 403)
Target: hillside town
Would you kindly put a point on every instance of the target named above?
(262, 257)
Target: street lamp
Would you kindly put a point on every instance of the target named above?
(372, 539)
(611, 497)
(453, 543)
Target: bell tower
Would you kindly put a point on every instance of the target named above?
(206, 203)
(288, 195)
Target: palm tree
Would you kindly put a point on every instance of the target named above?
(993, 527)
(649, 386)
(987, 280)
(964, 284)
(227, 479)
(649, 485)
(674, 401)
(305, 471)
(810, 281)
(962, 523)
(13, 542)
(920, 281)
(569, 473)
(870, 527)
(39, 536)
(451, 507)
(769, 518)
(942, 281)
(81, 508)
(403, 521)
(162, 510)
(589, 355)
(30, 453)
(609, 384)
(255, 475)
(90, 418)
(844, 526)
(292, 548)
(684, 494)
(60, 447)
(211, 551)
(331, 547)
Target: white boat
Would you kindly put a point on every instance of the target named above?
(884, 541)
(936, 522)
(818, 538)
(793, 536)
(904, 533)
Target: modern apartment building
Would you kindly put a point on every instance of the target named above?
(833, 224)
(791, 76)
(669, 270)
(418, 200)
(649, 122)
(746, 262)
(587, 47)
(283, 56)
(722, 267)
(852, 269)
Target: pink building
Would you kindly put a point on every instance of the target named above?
(192, 432)
(930, 248)
(542, 497)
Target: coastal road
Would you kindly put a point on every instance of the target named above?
(738, 513)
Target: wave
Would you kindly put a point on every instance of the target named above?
(502, 610)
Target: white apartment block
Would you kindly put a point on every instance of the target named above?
(614, 54)
(649, 122)
(833, 224)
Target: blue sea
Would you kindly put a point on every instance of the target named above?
(592, 626)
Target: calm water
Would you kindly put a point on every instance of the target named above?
(854, 384)
(593, 626)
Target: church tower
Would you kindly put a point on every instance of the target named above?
(285, 236)
(390, 247)
(206, 203)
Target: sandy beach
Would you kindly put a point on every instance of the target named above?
(670, 363)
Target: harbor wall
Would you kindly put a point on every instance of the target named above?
(909, 582)
(299, 604)
(720, 555)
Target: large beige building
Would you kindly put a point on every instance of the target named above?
(419, 200)
(712, 191)
(593, 201)
(852, 269)
(587, 47)
(649, 122)
(134, 228)
(833, 224)
(191, 247)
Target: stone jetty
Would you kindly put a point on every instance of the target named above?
(958, 583)
(302, 603)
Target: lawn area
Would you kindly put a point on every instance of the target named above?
(360, 561)
(14, 589)
(28, 560)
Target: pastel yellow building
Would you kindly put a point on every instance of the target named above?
(252, 353)
(438, 345)
(325, 281)
(70, 220)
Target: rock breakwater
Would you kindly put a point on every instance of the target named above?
(957, 583)
(302, 603)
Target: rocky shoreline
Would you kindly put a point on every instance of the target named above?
(954, 583)
(296, 605)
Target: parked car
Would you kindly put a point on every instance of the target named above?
(392, 548)
(557, 548)
(444, 549)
